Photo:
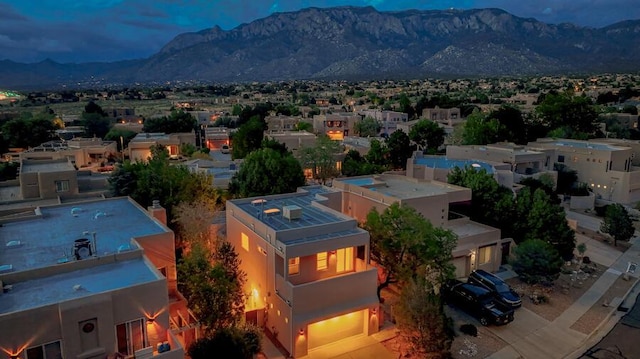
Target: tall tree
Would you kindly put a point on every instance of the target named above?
(213, 286)
(248, 138)
(367, 127)
(176, 122)
(427, 135)
(321, 158)
(266, 171)
(400, 149)
(29, 130)
(479, 129)
(405, 244)
(574, 115)
(422, 321)
(512, 125)
(617, 223)
(378, 154)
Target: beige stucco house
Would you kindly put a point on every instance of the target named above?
(89, 280)
(309, 280)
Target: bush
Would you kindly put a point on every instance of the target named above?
(536, 262)
(234, 342)
(469, 329)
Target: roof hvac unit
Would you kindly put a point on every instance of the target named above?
(82, 248)
(292, 212)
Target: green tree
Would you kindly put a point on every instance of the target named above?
(304, 126)
(212, 284)
(321, 158)
(355, 164)
(567, 178)
(28, 130)
(479, 129)
(114, 134)
(512, 124)
(617, 223)
(176, 122)
(95, 120)
(248, 138)
(574, 115)
(422, 321)
(367, 127)
(266, 171)
(544, 220)
(405, 245)
(400, 149)
(536, 261)
(378, 154)
(8, 171)
(427, 135)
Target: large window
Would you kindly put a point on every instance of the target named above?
(484, 255)
(322, 261)
(131, 336)
(51, 350)
(245, 242)
(294, 265)
(345, 260)
(62, 186)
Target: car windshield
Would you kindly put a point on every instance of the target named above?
(502, 288)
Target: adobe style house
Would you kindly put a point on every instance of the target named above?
(82, 152)
(89, 280)
(44, 179)
(336, 125)
(445, 116)
(309, 280)
(388, 120)
(479, 246)
(607, 169)
(140, 146)
(293, 140)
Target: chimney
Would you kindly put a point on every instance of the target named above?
(158, 212)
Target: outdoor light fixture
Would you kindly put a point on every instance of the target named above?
(301, 331)
(374, 311)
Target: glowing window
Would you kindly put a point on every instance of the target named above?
(322, 260)
(484, 255)
(344, 262)
(294, 265)
(245, 242)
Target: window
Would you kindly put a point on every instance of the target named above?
(484, 255)
(131, 336)
(322, 260)
(294, 265)
(52, 350)
(561, 158)
(62, 186)
(245, 242)
(344, 261)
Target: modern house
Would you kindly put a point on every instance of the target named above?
(82, 152)
(445, 116)
(309, 280)
(388, 120)
(336, 125)
(607, 169)
(479, 246)
(90, 280)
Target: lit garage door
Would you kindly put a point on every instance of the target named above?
(336, 328)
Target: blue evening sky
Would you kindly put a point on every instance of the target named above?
(111, 30)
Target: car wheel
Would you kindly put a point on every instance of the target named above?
(484, 321)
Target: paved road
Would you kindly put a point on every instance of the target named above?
(588, 222)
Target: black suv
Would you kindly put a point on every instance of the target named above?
(477, 301)
(501, 290)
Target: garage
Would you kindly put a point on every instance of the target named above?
(336, 328)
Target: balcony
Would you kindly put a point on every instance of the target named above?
(352, 289)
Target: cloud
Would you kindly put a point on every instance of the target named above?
(547, 11)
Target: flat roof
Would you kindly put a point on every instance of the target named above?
(400, 187)
(35, 166)
(468, 228)
(269, 210)
(448, 163)
(45, 240)
(58, 288)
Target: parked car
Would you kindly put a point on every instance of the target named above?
(225, 149)
(501, 290)
(478, 302)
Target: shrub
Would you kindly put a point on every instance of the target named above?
(469, 329)
(536, 262)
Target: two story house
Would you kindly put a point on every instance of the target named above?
(309, 280)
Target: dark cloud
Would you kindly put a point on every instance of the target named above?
(109, 30)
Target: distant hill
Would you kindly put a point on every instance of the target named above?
(360, 42)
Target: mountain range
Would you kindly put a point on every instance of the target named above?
(359, 43)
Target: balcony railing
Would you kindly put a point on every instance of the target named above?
(354, 287)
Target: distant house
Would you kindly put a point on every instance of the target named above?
(140, 146)
(42, 179)
(388, 120)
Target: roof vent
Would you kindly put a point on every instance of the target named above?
(155, 204)
(271, 211)
(75, 211)
(77, 287)
(14, 244)
(292, 212)
(99, 214)
(256, 202)
(82, 248)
